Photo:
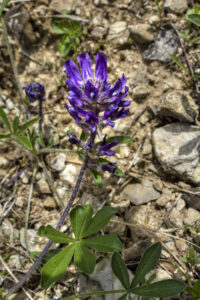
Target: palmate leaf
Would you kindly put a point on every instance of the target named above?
(84, 259)
(161, 289)
(147, 262)
(100, 220)
(104, 243)
(194, 18)
(4, 119)
(56, 266)
(80, 218)
(120, 270)
(54, 235)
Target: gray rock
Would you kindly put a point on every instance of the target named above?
(166, 44)
(107, 280)
(176, 6)
(35, 242)
(142, 33)
(99, 32)
(165, 197)
(58, 163)
(176, 147)
(192, 216)
(118, 33)
(178, 105)
(140, 193)
(14, 261)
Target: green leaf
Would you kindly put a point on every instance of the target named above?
(24, 141)
(100, 220)
(56, 26)
(16, 124)
(64, 45)
(41, 140)
(27, 124)
(54, 235)
(80, 218)
(122, 139)
(104, 243)
(4, 119)
(4, 136)
(51, 253)
(119, 173)
(120, 270)
(84, 259)
(84, 136)
(146, 264)
(3, 6)
(97, 177)
(193, 17)
(123, 297)
(161, 289)
(56, 266)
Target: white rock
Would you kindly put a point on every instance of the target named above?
(192, 216)
(162, 275)
(177, 6)
(14, 261)
(70, 173)
(3, 162)
(43, 186)
(142, 33)
(49, 202)
(9, 104)
(58, 163)
(118, 33)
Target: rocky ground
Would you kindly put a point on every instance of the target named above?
(160, 196)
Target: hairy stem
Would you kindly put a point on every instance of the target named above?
(60, 223)
(28, 209)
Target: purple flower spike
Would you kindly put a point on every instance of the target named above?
(35, 91)
(94, 103)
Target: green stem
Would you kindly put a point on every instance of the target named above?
(12, 61)
(94, 294)
(28, 209)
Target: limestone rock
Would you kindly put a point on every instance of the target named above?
(43, 186)
(99, 32)
(178, 105)
(49, 202)
(176, 147)
(142, 33)
(58, 163)
(140, 193)
(176, 6)
(166, 44)
(143, 217)
(70, 173)
(62, 5)
(118, 33)
(140, 92)
(192, 216)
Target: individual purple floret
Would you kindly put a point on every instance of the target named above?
(104, 148)
(35, 91)
(93, 102)
(110, 167)
(73, 139)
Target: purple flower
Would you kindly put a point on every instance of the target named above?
(94, 103)
(35, 91)
(105, 148)
(73, 139)
(110, 167)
